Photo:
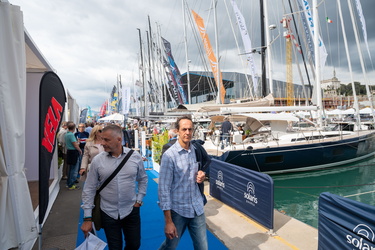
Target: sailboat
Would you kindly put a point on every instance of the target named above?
(277, 149)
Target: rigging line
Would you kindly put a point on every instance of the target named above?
(256, 163)
(328, 33)
(338, 59)
(369, 192)
(336, 186)
(305, 43)
(302, 53)
(243, 151)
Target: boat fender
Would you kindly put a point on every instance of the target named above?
(249, 148)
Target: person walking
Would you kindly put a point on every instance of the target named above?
(62, 148)
(122, 198)
(81, 136)
(72, 155)
(89, 127)
(172, 138)
(226, 128)
(92, 148)
(180, 197)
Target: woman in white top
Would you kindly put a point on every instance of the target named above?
(92, 148)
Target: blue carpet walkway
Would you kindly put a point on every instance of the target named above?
(152, 228)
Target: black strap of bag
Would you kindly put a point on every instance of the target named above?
(115, 172)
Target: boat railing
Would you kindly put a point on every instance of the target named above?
(234, 139)
(315, 136)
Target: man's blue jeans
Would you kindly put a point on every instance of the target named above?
(72, 174)
(80, 162)
(130, 226)
(197, 230)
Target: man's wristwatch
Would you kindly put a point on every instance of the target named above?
(139, 202)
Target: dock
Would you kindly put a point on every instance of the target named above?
(227, 228)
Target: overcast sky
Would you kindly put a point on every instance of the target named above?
(90, 43)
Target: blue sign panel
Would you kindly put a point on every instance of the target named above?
(345, 223)
(246, 190)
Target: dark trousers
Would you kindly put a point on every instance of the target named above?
(65, 166)
(130, 226)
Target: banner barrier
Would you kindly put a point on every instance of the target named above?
(248, 191)
(345, 223)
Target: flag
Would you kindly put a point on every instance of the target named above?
(103, 108)
(52, 100)
(308, 24)
(174, 73)
(247, 43)
(329, 20)
(210, 54)
(89, 112)
(125, 100)
(82, 117)
(363, 23)
(114, 99)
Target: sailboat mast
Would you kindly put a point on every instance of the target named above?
(218, 99)
(163, 80)
(263, 50)
(269, 57)
(186, 52)
(143, 74)
(317, 63)
(150, 83)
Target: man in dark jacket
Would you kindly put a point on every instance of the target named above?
(226, 128)
(204, 161)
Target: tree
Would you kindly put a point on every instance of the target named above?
(347, 90)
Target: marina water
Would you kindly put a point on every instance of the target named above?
(297, 194)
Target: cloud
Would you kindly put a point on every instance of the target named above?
(90, 43)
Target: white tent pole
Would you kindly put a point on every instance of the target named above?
(40, 237)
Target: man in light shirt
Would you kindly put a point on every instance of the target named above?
(120, 201)
(180, 197)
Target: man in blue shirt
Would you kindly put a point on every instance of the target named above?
(179, 194)
(73, 153)
(81, 136)
(89, 127)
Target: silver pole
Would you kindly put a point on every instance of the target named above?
(186, 52)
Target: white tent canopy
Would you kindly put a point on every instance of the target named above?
(17, 221)
(350, 111)
(365, 111)
(114, 117)
(334, 112)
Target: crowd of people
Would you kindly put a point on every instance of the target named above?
(87, 136)
(93, 152)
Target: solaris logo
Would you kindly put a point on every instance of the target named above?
(220, 180)
(363, 231)
(249, 195)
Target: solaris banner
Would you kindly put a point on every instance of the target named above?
(345, 223)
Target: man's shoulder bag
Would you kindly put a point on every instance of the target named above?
(96, 213)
